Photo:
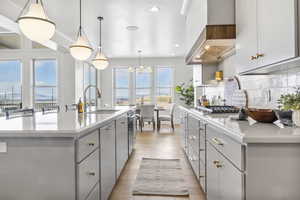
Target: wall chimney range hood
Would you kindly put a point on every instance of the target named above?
(214, 44)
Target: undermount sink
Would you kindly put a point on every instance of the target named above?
(103, 111)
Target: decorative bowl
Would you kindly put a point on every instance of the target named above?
(262, 115)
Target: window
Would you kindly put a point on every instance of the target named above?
(45, 83)
(90, 77)
(10, 84)
(121, 86)
(143, 86)
(150, 87)
(164, 86)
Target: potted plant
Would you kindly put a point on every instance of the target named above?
(291, 102)
(186, 91)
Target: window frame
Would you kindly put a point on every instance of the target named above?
(115, 88)
(132, 84)
(21, 76)
(157, 84)
(34, 85)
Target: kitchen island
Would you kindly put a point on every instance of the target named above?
(64, 155)
(235, 161)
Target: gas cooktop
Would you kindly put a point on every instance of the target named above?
(218, 109)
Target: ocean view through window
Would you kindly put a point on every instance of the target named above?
(45, 83)
(164, 86)
(10, 84)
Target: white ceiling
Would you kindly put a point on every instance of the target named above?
(156, 37)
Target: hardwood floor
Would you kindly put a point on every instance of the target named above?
(155, 145)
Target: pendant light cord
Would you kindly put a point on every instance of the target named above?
(80, 27)
(100, 41)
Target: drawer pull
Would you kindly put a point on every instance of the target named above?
(122, 123)
(91, 173)
(217, 141)
(201, 149)
(217, 164)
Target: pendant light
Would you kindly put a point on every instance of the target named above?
(100, 61)
(81, 49)
(140, 66)
(34, 23)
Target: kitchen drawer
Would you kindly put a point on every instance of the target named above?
(87, 144)
(88, 175)
(228, 147)
(224, 180)
(95, 194)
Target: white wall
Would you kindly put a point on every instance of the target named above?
(182, 73)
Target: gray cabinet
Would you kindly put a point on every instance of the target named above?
(88, 175)
(121, 143)
(193, 136)
(108, 159)
(224, 181)
(266, 32)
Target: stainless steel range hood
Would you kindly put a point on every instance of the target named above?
(213, 45)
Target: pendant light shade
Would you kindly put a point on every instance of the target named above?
(131, 69)
(34, 23)
(100, 61)
(81, 49)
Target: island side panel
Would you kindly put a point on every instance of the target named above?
(273, 171)
(37, 169)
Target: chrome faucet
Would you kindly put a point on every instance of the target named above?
(84, 95)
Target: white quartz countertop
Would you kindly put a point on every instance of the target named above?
(242, 132)
(61, 124)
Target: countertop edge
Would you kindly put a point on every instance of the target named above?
(62, 133)
(240, 137)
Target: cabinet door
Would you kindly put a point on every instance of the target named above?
(213, 176)
(121, 143)
(183, 131)
(276, 30)
(246, 42)
(197, 75)
(108, 160)
(224, 181)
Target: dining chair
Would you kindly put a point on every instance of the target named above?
(146, 115)
(168, 118)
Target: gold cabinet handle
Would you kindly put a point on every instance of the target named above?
(217, 164)
(217, 141)
(254, 57)
(259, 55)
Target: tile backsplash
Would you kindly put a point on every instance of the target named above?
(263, 90)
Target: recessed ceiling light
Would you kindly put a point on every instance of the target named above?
(132, 28)
(154, 9)
(177, 45)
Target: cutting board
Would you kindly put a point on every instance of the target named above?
(231, 85)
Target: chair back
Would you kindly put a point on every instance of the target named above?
(172, 109)
(147, 111)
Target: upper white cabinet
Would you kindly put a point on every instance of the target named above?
(207, 12)
(266, 32)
